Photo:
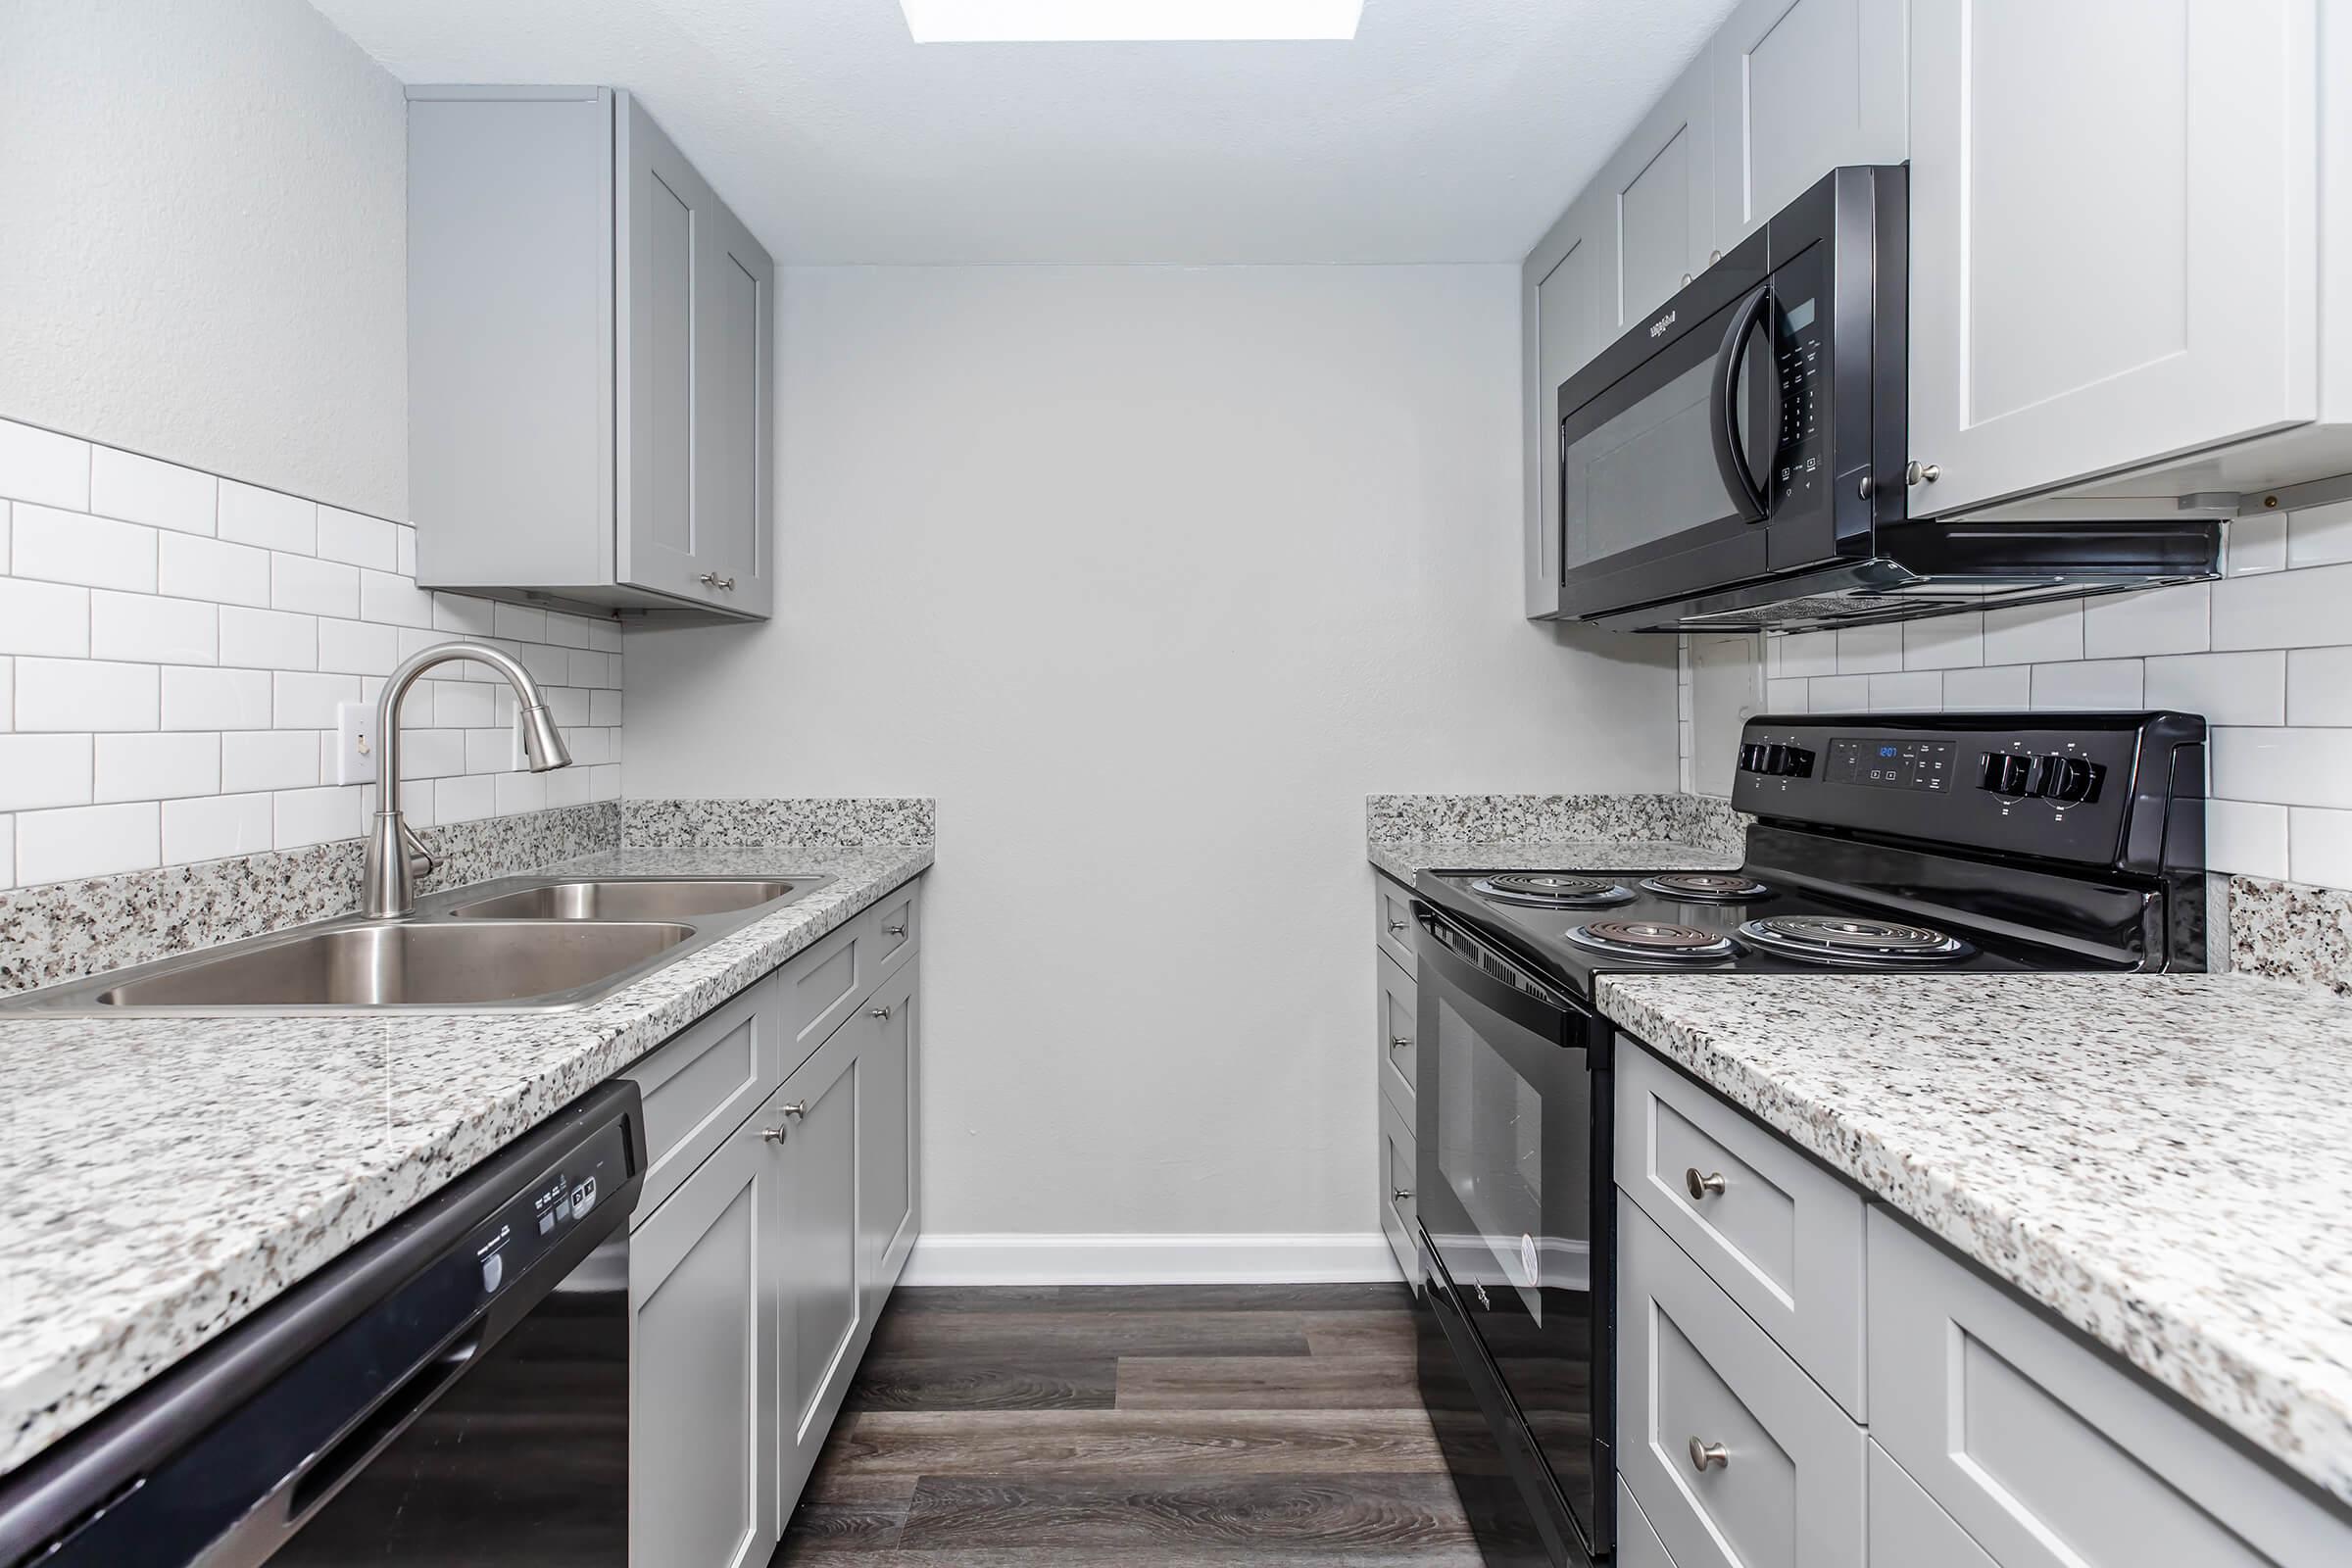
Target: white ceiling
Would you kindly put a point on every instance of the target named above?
(1449, 130)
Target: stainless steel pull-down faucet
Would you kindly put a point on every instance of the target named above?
(396, 857)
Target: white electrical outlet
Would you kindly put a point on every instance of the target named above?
(355, 743)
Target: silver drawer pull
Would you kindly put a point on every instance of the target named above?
(773, 1135)
(1400, 1042)
(1702, 1186)
(882, 1012)
(712, 579)
(894, 930)
(1706, 1456)
(1395, 926)
(1398, 1195)
(798, 1109)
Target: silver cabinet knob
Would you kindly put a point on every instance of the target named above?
(773, 1135)
(1706, 1457)
(1685, 281)
(894, 930)
(1395, 926)
(882, 1012)
(712, 579)
(1400, 1042)
(1713, 257)
(1702, 1186)
(1398, 1195)
(796, 1110)
(1922, 472)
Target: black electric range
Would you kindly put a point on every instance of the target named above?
(1883, 844)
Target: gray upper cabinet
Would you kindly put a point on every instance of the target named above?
(1660, 187)
(1799, 88)
(591, 358)
(2113, 253)
(1568, 311)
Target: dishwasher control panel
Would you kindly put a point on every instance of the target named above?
(531, 1226)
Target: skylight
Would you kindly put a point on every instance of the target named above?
(1130, 20)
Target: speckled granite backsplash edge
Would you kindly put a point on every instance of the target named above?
(2289, 931)
(67, 930)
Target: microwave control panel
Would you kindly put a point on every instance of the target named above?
(1798, 469)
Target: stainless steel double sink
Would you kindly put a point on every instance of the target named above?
(525, 944)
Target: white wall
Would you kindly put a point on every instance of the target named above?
(203, 251)
(2265, 655)
(1148, 576)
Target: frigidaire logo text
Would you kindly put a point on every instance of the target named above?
(1662, 323)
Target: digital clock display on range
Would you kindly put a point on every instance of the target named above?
(1892, 764)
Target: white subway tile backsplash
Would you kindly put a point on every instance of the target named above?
(215, 827)
(2319, 535)
(267, 519)
(2159, 620)
(518, 621)
(2089, 684)
(2255, 544)
(302, 699)
(1807, 653)
(490, 751)
(1870, 649)
(2318, 686)
(7, 694)
(2284, 766)
(72, 547)
(604, 708)
(161, 495)
(566, 631)
(3, 534)
(394, 601)
(1989, 689)
(432, 752)
(1916, 691)
(568, 786)
(2319, 846)
(465, 799)
(358, 539)
(268, 639)
(157, 766)
(2033, 634)
(2246, 838)
(461, 703)
(208, 568)
(8, 852)
(404, 550)
(2300, 609)
(2241, 688)
(319, 816)
(42, 617)
(86, 840)
(40, 770)
(158, 631)
(1945, 642)
(461, 616)
(569, 705)
(216, 699)
(315, 587)
(605, 636)
(356, 648)
(269, 760)
(1838, 694)
(84, 694)
(522, 792)
(44, 468)
(604, 783)
(1779, 697)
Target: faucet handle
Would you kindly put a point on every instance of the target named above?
(420, 859)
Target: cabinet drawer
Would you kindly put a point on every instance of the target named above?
(823, 985)
(1906, 1528)
(1781, 1235)
(1397, 1219)
(702, 1085)
(1393, 920)
(1394, 1036)
(896, 923)
(1695, 1372)
(2045, 1452)
(1637, 1545)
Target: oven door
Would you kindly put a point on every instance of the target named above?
(1514, 1104)
(1703, 465)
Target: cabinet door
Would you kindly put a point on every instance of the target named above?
(1660, 187)
(734, 425)
(702, 1303)
(888, 1132)
(702, 1085)
(1567, 299)
(1800, 87)
(2112, 252)
(824, 1317)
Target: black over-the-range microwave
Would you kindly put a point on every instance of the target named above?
(1739, 460)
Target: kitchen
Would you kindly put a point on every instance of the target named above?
(1168, 469)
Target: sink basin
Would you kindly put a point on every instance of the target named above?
(633, 899)
(456, 966)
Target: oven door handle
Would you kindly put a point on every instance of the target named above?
(1732, 457)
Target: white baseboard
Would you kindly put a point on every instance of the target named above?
(1012, 1258)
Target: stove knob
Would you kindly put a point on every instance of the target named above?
(2004, 773)
(1796, 763)
(1771, 758)
(1751, 758)
(2064, 779)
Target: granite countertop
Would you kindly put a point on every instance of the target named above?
(1409, 834)
(165, 1177)
(2161, 1160)
(1405, 861)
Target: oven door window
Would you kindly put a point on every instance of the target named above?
(1490, 1152)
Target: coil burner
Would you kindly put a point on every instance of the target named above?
(1551, 890)
(1865, 944)
(1708, 887)
(1652, 941)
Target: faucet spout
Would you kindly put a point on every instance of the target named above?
(388, 876)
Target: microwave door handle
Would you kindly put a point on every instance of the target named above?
(1731, 362)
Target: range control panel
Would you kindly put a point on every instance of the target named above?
(2091, 788)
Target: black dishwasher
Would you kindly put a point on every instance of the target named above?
(453, 1390)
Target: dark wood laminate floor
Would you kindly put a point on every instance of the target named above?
(1117, 1426)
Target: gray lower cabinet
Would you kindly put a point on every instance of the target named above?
(773, 1228)
(705, 1278)
(1906, 1528)
(1637, 1545)
(591, 360)
(1396, 1026)
(1399, 1218)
